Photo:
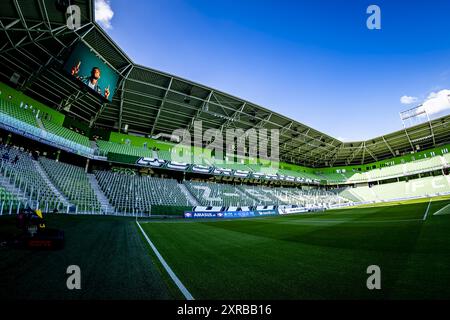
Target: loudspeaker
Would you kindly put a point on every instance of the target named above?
(15, 78)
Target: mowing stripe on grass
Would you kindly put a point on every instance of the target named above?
(172, 275)
(426, 212)
(348, 221)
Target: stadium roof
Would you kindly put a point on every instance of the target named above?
(35, 42)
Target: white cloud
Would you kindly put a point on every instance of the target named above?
(408, 99)
(437, 102)
(103, 13)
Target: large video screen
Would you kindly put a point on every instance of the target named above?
(87, 68)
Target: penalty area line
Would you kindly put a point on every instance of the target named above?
(172, 275)
(437, 213)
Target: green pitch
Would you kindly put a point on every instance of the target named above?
(309, 256)
(314, 256)
(115, 263)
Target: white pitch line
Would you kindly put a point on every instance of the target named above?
(440, 210)
(172, 275)
(426, 212)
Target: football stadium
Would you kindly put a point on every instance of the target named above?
(121, 182)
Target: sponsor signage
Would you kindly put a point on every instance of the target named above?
(282, 210)
(229, 214)
(150, 162)
(201, 169)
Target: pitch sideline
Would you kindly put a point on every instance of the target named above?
(172, 275)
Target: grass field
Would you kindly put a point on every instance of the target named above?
(315, 256)
(309, 256)
(115, 263)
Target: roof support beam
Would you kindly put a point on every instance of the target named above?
(22, 19)
(261, 124)
(371, 154)
(234, 117)
(360, 148)
(163, 101)
(122, 90)
(389, 147)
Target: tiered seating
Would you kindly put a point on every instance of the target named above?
(165, 155)
(216, 194)
(73, 182)
(429, 164)
(347, 193)
(357, 177)
(225, 195)
(427, 186)
(447, 158)
(399, 190)
(134, 193)
(263, 169)
(235, 166)
(66, 133)
(6, 196)
(390, 171)
(299, 174)
(334, 177)
(361, 193)
(23, 175)
(261, 196)
(108, 146)
(313, 197)
(21, 112)
(23, 117)
(18, 118)
(410, 168)
(8, 201)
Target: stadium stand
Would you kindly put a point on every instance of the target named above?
(333, 178)
(308, 198)
(22, 176)
(447, 159)
(25, 118)
(124, 149)
(422, 187)
(258, 196)
(75, 185)
(134, 193)
(65, 137)
(21, 112)
(8, 201)
(164, 155)
(17, 118)
(236, 166)
(225, 195)
(66, 133)
(131, 192)
(216, 194)
(73, 182)
(434, 163)
(299, 174)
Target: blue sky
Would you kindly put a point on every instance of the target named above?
(314, 61)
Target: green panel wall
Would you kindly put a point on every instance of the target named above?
(139, 141)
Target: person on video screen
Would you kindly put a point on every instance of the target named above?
(92, 80)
